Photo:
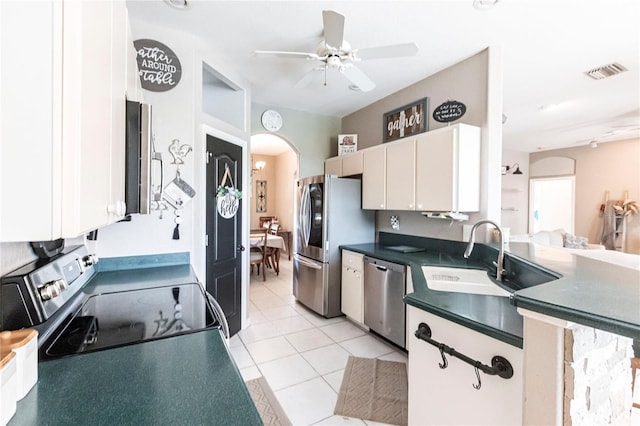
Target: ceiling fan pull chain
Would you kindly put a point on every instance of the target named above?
(325, 75)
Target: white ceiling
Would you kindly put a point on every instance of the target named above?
(547, 46)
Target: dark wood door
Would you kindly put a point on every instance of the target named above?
(224, 233)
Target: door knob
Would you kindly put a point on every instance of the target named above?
(240, 247)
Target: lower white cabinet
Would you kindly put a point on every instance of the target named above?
(353, 286)
(446, 396)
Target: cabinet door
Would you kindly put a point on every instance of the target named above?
(30, 130)
(93, 115)
(435, 154)
(401, 176)
(429, 404)
(352, 164)
(134, 87)
(373, 178)
(448, 169)
(333, 166)
(352, 286)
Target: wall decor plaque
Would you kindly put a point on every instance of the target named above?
(406, 121)
(347, 144)
(158, 66)
(261, 196)
(449, 111)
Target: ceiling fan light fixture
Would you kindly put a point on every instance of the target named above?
(484, 4)
(354, 88)
(178, 4)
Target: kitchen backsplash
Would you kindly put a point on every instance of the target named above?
(414, 223)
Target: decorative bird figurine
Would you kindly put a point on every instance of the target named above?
(179, 151)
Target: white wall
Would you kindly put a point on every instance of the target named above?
(613, 167)
(515, 193)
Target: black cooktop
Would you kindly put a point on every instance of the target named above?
(109, 320)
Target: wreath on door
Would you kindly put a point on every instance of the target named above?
(228, 196)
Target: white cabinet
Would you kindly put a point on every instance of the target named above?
(352, 163)
(353, 286)
(448, 169)
(434, 171)
(401, 175)
(63, 154)
(333, 166)
(344, 165)
(373, 178)
(446, 396)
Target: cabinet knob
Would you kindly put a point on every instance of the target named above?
(381, 206)
(410, 206)
(419, 206)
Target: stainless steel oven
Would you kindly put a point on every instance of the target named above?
(59, 298)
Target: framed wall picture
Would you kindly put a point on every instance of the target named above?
(261, 196)
(347, 144)
(409, 120)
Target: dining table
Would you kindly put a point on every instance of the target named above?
(275, 242)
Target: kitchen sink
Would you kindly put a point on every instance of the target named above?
(461, 280)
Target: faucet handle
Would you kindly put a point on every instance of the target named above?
(499, 270)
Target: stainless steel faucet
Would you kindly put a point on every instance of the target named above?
(500, 263)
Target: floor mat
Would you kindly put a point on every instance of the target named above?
(374, 389)
(267, 404)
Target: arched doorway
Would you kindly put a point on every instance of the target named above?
(274, 170)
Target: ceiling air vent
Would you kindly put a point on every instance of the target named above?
(605, 71)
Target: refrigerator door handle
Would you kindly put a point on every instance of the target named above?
(306, 262)
(305, 215)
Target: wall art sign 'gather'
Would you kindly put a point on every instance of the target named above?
(406, 121)
(158, 66)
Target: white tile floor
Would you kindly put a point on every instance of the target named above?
(302, 355)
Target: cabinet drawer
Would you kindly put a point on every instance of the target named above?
(352, 260)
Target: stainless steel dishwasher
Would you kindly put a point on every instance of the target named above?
(384, 289)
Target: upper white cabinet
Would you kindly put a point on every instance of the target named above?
(333, 166)
(401, 175)
(448, 169)
(373, 178)
(63, 150)
(435, 171)
(344, 165)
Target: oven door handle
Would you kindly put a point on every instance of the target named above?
(219, 313)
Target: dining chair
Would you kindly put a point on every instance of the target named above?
(259, 255)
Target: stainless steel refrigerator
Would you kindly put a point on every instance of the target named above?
(327, 214)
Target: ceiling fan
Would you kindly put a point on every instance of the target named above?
(334, 52)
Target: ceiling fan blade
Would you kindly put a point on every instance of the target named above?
(296, 55)
(308, 78)
(358, 78)
(391, 51)
(333, 28)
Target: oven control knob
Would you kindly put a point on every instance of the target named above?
(52, 289)
(89, 260)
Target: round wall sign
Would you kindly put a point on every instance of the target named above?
(449, 111)
(158, 66)
(271, 120)
(228, 206)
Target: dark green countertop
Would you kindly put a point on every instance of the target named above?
(491, 315)
(591, 292)
(588, 291)
(187, 379)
